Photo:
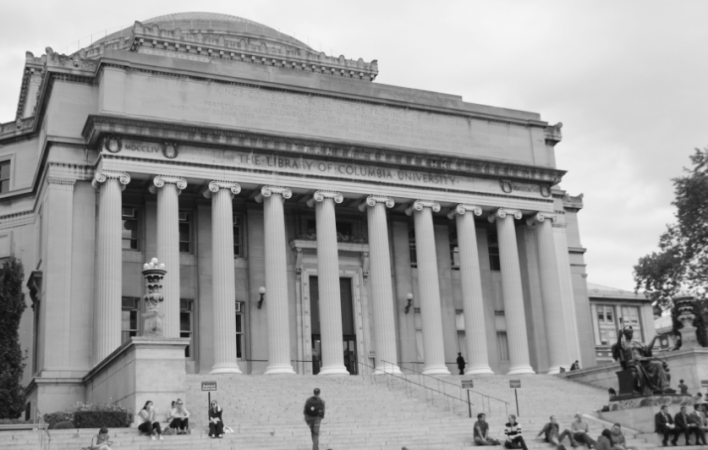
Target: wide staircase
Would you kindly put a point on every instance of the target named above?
(362, 412)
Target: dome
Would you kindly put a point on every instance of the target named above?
(214, 24)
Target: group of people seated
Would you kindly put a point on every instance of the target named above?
(551, 433)
(693, 423)
(179, 420)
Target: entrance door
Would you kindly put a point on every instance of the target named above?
(348, 329)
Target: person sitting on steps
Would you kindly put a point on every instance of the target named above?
(180, 417)
(552, 436)
(664, 425)
(481, 431)
(100, 441)
(216, 421)
(513, 434)
(580, 429)
(604, 441)
(150, 425)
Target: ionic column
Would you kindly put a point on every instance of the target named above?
(276, 280)
(381, 288)
(513, 294)
(551, 292)
(328, 283)
(168, 189)
(109, 263)
(223, 278)
(429, 286)
(472, 300)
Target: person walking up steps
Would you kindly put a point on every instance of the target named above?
(314, 412)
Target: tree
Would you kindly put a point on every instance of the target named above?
(681, 263)
(12, 366)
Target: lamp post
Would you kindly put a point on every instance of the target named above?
(686, 316)
(409, 297)
(154, 272)
(261, 292)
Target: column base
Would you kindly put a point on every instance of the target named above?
(225, 369)
(388, 369)
(333, 371)
(481, 370)
(554, 370)
(521, 370)
(283, 369)
(436, 370)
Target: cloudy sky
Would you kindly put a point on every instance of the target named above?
(627, 79)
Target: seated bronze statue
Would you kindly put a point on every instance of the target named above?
(651, 375)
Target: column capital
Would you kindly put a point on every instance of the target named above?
(372, 200)
(541, 217)
(101, 176)
(216, 185)
(160, 180)
(419, 205)
(501, 213)
(267, 191)
(320, 196)
(464, 208)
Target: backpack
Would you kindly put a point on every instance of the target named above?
(313, 407)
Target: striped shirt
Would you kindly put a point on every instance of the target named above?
(512, 431)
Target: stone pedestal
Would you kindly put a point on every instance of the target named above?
(141, 369)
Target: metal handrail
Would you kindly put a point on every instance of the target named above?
(44, 437)
(456, 386)
(451, 402)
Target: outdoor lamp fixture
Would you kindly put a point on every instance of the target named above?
(261, 291)
(410, 302)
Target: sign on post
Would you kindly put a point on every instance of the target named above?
(514, 384)
(209, 386)
(467, 384)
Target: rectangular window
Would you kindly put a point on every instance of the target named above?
(239, 330)
(630, 316)
(131, 229)
(454, 249)
(4, 177)
(345, 230)
(130, 313)
(503, 346)
(186, 324)
(238, 237)
(185, 232)
(493, 246)
(411, 246)
(607, 328)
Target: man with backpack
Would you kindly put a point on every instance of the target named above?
(314, 413)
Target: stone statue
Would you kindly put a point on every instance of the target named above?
(651, 375)
(153, 272)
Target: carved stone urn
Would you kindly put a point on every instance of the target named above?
(154, 272)
(686, 316)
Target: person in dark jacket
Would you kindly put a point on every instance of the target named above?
(604, 441)
(461, 363)
(682, 426)
(664, 424)
(216, 421)
(699, 426)
(314, 412)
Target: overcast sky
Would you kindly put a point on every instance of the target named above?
(626, 78)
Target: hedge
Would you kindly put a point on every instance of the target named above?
(98, 419)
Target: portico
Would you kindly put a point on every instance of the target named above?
(310, 219)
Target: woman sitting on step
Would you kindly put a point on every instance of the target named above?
(150, 425)
(100, 441)
(179, 417)
(513, 434)
(216, 422)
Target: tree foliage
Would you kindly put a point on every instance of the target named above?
(681, 263)
(12, 305)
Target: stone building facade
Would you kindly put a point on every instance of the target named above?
(311, 220)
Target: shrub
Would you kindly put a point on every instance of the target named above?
(98, 419)
(54, 418)
(12, 365)
(63, 425)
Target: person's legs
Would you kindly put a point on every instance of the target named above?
(220, 428)
(570, 438)
(479, 441)
(184, 425)
(156, 428)
(174, 423)
(666, 435)
(519, 442)
(144, 428)
(212, 429)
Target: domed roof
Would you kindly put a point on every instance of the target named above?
(221, 23)
(211, 23)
